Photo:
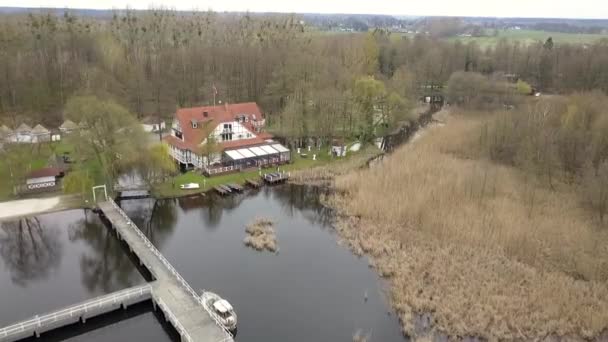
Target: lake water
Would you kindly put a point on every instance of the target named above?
(312, 290)
(59, 259)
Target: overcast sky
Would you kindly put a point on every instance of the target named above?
(494, 8)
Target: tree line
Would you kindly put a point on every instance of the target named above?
(309, 83)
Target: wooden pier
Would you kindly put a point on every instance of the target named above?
(252, 183)
(235, 187)
(228, 189)
(178, 301)
(275, 178)
(220, 189)
(132, 194)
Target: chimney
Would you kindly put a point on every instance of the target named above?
(226, 106)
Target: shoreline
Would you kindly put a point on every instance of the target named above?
(445, 290)
(36, 206)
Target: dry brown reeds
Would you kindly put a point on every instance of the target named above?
(483, 247)
(261, 235)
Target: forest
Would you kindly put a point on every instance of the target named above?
(309, 83)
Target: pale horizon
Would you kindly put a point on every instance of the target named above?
(582, 9)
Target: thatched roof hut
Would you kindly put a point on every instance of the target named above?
(68, 126)
(23, 128)
(40, 130)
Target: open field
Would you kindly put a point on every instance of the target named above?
(533, 36)
(481, 247)
(523, 36)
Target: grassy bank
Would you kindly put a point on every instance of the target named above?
(482, 247)
(171, 188)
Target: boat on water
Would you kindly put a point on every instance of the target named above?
(221, 308)
(189, 186)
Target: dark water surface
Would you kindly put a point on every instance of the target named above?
(312, 290)
(59, 259)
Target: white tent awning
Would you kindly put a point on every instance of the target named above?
(280, 148)
(269, 149)
(234, 155)
(246, 153)
(258, 151)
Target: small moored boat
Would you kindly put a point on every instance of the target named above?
(221, 308)
(189, 186)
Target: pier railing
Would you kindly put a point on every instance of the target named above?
(77, 310)
(178, 326)
(171, 269)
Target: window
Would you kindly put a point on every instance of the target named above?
(226, 136)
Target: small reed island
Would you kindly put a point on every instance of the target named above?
(261, 235)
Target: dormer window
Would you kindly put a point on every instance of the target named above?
(194, 123)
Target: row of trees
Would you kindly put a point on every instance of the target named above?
(557, 139)
(152, 62)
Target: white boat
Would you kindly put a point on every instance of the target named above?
(189, 186)
(220, 308)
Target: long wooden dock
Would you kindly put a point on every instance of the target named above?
(179, 302)
(76, 313)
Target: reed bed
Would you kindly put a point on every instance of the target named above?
(482, 247)
(261, 235)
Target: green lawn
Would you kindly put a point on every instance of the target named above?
(532, 36)
(172, 187)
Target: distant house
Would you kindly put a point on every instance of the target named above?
(23, 134)
(236, 132)
(150, 124)
(68, 127)
(40, 134)
(43, 179)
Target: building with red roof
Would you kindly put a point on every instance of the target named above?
(230, 128)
